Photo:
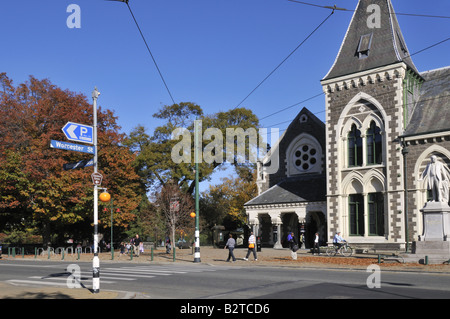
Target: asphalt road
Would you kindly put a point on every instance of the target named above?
(233, 282)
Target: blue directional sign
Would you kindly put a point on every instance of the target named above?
(79, 132)
(72, 147)
(80, 164)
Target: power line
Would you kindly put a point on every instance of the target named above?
(343, 9)
(374, 70)
(291, 106)
(148, 48)
(276, 68)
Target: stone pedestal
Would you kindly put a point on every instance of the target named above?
(436, 222)
(434, 244)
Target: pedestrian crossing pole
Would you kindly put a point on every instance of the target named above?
(96, 260)
(197, 149)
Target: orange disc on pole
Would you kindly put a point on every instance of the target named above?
(105, 197)
(192, 214)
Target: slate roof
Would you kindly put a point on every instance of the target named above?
(432, 111)
(385, 44)
(301, 188)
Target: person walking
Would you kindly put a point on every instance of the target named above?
(316, 244)
(293, 245)
(231, 243)
(122, 248)
(251, 247)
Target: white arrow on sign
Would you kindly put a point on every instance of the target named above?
(70, 130)
(79, 132)
(97, 178)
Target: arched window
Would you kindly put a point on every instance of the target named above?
(374, 144)
(376, 214)
(356, 214)
(354, 147)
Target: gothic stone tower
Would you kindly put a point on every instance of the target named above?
(367, 109)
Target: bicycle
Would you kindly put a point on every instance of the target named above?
(345, 250)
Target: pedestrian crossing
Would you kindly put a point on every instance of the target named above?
(75, 277)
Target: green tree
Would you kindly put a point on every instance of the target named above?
(154, 159)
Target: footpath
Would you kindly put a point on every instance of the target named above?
(267, 257)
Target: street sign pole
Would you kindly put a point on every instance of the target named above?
(96, 260)
(197, 149)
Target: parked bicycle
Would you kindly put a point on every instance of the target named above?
(345, 250)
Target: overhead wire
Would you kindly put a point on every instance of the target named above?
(349, 10)
(284, 60)
(148, 48)
(317, 95)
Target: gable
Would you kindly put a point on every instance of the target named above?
(369, 43)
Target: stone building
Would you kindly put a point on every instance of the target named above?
(384, 119)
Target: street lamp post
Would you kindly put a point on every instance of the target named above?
(112, 241)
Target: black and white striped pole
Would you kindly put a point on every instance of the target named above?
(96, 260)
(197, 150)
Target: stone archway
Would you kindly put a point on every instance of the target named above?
(315, 222)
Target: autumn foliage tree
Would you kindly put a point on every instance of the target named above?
(35, 192)
(176, 206)
(223, 203)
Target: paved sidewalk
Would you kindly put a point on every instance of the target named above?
(267, 257)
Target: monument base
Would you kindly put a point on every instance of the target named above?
(433, 247)
(431, 252)
(436, 221)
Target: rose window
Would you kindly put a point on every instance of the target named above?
(305, 157)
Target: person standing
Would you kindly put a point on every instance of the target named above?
(136, 243)
(316, 244)
(231, 243)
(251, 247)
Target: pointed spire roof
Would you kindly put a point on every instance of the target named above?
(373, 39)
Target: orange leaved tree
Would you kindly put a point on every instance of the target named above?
(35, 191)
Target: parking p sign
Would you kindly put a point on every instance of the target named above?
(79, 132)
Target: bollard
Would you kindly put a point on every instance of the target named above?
(131, 252)
(62, 255)
(379, 259)
(152, 252)
(426, 260)
(35, 252)
(174, 253)
(23, 252)
(78, 252)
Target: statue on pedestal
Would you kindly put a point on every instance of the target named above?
(438, 179)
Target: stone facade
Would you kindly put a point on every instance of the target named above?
(360, 99)
(384, 119)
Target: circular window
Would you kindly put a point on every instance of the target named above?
(305, 157)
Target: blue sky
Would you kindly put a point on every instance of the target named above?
(210, 52)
